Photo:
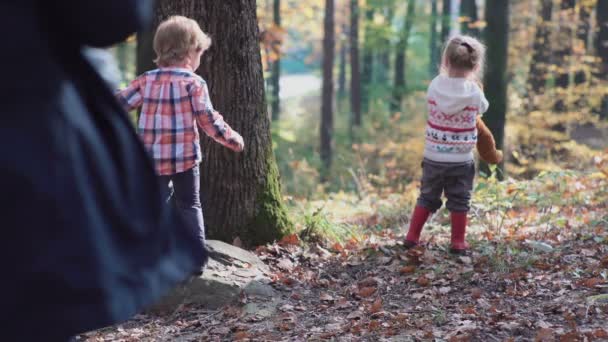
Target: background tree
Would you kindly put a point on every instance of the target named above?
(400, 57)
(367, 72)
(541, 53)
(468, 13)
(327, 92)
(446, 20)
(601, 47)
(355, 71)
(241, 193)
(433, 42)
(497, 40)
(342, 66)
(563, 52)
(275, 82)
(384, 57)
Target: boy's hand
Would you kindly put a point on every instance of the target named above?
(237, 142)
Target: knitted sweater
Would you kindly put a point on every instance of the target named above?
(451, 132)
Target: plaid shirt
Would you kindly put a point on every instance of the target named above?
(171, 101)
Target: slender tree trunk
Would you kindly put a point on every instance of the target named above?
(582, 66)
(601, 47)
(368, 61)
(468, 10)
(563, 54)
(327, 120)
(275, 101)
(355, 71)
(446, 20)
(342, 66)
(582, 35)
(400, 58)
(241, 193)
(384, 58)
(497, 39)
(433, 43)
(541, 54)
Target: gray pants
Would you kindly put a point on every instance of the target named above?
(185, 195)
(455, 180)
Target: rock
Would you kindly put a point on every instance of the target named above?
(230, 271)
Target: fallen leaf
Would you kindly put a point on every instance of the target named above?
(326, 297)
(376, 306)
(292, 239)
(445, 290)
(355, 315)
(241, 335)
(407, 269)
(544, 335)
(368, 282)
(423, 281)
(366, 292)
(476, 293)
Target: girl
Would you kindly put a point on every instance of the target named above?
(454, 101)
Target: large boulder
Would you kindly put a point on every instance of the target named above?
(230, 271)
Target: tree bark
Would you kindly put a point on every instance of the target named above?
(446, 20)
(468, 10)
(434, 45)
(342, 66)
(384, 58)
(400, 59)
(355, 71)
(563, 54)
(368, 61)
(326, 129)
(582, 35)
(497, 39)
(601, 47)
(275, 85)
(241, 193)
(541, 53)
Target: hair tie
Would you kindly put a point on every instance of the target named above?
(468, 46)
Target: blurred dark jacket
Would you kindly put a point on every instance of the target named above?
(86, 238)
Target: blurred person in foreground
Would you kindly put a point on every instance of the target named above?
(88, 241)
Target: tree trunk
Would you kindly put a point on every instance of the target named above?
(582, 35)
(601, 46)
(563, 54)
(434, 45)
(241, 193)
(446, 20)
(497, 39)
(541, 54)
(275, 100)
(327, 120)
(400, 59)
(355, 71)
(384, 58)
(468, 10)
(368, 61)
(342, 66)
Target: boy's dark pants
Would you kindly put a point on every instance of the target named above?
(186, 198)
(453, 179)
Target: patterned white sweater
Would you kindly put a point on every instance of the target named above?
(451, 132)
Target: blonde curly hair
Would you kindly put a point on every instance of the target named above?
(176, 38)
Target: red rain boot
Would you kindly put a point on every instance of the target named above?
(419, 217)
(459, 227)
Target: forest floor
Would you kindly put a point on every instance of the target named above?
(538, 271)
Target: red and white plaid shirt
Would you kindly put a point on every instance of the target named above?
(172, 101)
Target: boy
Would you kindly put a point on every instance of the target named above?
(173, 99)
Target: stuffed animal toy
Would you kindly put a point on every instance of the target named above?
(486, 146)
